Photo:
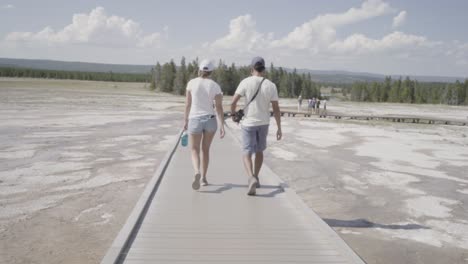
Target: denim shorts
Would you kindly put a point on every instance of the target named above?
(201, 124)
(254, 139)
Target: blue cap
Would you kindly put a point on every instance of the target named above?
(258, 61)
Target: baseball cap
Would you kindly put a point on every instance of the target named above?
(258, 61)
(206, 66)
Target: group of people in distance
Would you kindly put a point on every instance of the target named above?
(201, 119)
(313, 105)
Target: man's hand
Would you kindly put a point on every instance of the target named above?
(233, 115)
(235, 99)
(279, 134)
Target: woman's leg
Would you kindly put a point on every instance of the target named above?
(195, 140)
(206, 144)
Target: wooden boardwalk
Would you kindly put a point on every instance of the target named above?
(391, 118)
(220, 223)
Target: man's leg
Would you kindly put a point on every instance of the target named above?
(262, 134)
(258, 166)
(248, 165)
(249, 138)
(252, 180)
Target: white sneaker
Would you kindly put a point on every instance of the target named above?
(252, 186)
(204, 182)
(196, 181)
(258, 182)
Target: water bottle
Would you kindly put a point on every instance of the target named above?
(184, 139)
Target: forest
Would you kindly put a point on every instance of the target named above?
(73, 75)
(409, 91)
(172, 78)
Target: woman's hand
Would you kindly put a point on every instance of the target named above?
(186, 124)
(222, 132)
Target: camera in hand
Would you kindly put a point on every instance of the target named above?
(237, 117)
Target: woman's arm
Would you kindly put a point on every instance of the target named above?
(188, 105)
(220, 112)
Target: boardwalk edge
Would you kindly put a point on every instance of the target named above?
(117, 251)
(301, 205)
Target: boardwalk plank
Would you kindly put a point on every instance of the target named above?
(221, 224)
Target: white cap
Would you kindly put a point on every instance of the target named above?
(206, 66)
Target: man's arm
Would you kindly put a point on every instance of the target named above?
(277, 115)
(235, 100)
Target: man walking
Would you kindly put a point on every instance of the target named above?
(256, 119)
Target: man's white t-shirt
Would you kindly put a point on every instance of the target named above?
(257, 112)
(203, 92)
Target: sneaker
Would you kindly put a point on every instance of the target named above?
(204, 182)
(196, 181)
(252, 186)
(258, 182)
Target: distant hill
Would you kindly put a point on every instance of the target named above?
(342, 76)
(74, 66)
(317, 75)
(347, 77)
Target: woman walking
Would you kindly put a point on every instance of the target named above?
(200, 119)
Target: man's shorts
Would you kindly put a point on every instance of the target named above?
(201, 124)
(254, 139)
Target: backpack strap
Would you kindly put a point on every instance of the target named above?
(255, 95)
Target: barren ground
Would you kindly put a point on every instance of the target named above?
(75, 156)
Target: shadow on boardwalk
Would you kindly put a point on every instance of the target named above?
(363, 223)
(275, 189)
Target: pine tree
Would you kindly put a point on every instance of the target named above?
(181, 78)
(168, 76)
(284, 86)
(466, 92)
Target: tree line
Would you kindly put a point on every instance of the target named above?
(74, 75)
(409, 91)
(173, 79)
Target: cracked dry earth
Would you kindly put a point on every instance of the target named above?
(74, 158)
(397, 193)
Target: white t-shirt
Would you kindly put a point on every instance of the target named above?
(257, 112)
(203, 92)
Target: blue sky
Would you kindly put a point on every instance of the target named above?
(380, 36)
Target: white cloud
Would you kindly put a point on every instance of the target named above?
(316, 44)
(9, 6)
(459, 52)
(242, 36)
(359, 44)
(321, 31)
(399, 20)
(318, 37)
(96, 28)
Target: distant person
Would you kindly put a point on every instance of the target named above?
(200, 121)
(299, 103)
(309, 105)
(317, 106)
(257, 119)
(313, 104)
(324, 112)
